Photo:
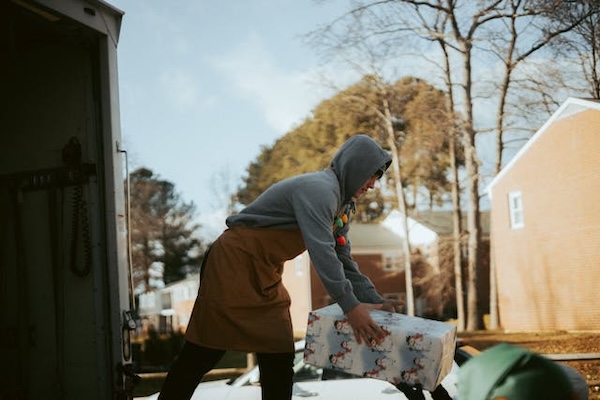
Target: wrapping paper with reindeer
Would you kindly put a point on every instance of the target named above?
(414, 350)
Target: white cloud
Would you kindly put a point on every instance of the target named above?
(285, 97)
(182, 90)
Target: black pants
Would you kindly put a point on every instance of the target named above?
(193, 362)
(416, 392)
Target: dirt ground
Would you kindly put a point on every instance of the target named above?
(549, 343)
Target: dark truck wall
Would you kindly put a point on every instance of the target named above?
(63, 275)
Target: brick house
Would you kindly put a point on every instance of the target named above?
(545, 219)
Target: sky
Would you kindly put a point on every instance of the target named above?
(204, 84)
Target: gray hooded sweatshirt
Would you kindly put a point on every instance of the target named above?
(310, 202)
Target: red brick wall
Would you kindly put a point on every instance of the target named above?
(370, 265)
(549, 271)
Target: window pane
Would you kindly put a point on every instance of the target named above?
(515, 203)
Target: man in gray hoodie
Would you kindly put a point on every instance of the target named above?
(242, 304)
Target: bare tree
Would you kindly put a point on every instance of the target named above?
(466, 32)
(387, 22)
(381, 108)
(223, 184)
(355, 46)
(439, 26)
(440, 21)
(525, 30)
(581, 44)
(488, 22)
(362, 56)
(399, 186)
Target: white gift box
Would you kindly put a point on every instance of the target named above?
(414, 350)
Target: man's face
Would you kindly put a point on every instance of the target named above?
(369, 184)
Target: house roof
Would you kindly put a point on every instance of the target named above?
(441, 221)
(373, 236)
(570, 107)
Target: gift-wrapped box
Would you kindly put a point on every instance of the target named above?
(414, 350)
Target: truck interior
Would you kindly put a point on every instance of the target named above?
(60, 291)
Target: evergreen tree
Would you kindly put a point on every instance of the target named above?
(419, 109)
(163, 238)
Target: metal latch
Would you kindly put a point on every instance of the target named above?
(129, 321)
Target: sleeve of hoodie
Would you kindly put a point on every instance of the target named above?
(363, 287)
(315, 208)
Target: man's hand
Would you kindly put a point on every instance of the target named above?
(365, 329)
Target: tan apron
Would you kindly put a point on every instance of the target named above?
(242, 304)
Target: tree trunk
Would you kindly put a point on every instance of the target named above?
(456, 239)
(494, 317)
(456, 205)
(391, 139)
(473, 221)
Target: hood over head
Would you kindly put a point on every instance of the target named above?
(359, 158)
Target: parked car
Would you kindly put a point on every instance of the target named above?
(318, 384)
